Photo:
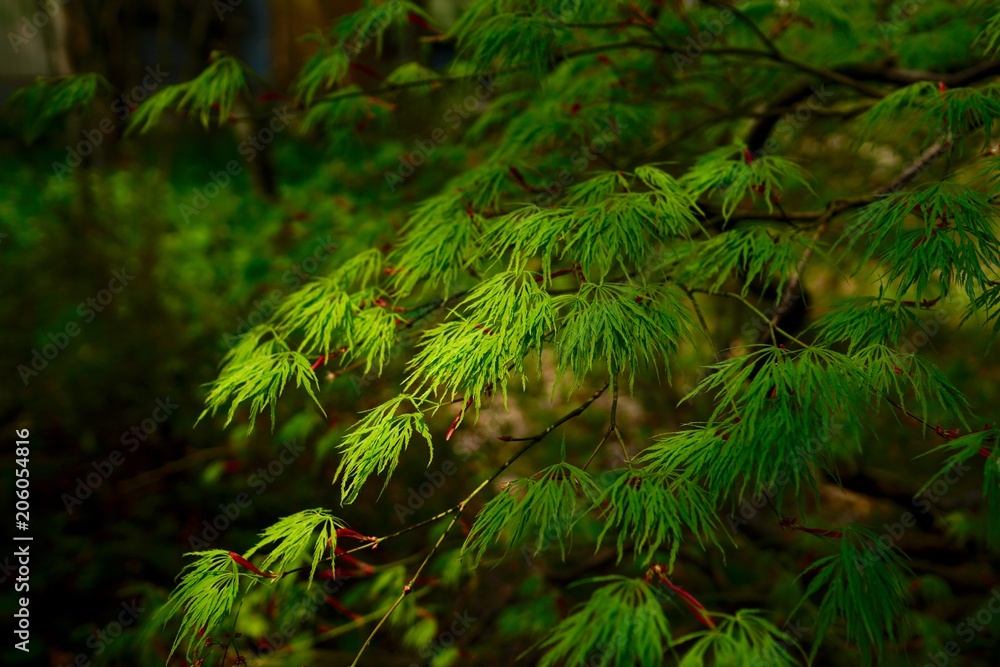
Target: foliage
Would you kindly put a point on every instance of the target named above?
(48, 98)
(204, 598)
(754, 252)
(783, 240)
(289, 539)
(736, 174)
(542, 509)
(648, 510)
(947, 114)
(743, 638)
(628, 327)
(507, 317)
(866, 588)
(766, 401)
(258, 369)
(375, 444)
(621, 624)
(213, 93)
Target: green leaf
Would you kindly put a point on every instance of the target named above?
(650, 510)
(38, 104)
(898, 375)
(513, 40)
(541, 509)
(974, 446)
(751, 253)
(257, 370)
(507, 317)
(745, 638)
(375, 443)
(600, 227)
(946, 115)
(622, 624)
(214, 91)
(410, 73)
(777, 412)
(943, 231)
(204, 598)
(629, 327)
(865, 321)
(436, 245)
(340, 119)
(726, 171)
(356, 31)
(989, 38)
(326, 69)
(865, 587)
(288, 541)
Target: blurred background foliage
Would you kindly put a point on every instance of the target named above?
(201, 277)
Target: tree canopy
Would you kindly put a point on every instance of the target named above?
(634, 311)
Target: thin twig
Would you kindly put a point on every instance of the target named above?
(408, 587)
(458, 509)
(793, 282)
(772, 329)
(701, 317)
(607, 435)
(768, 43)
(908, 174)
(613, 428)
(614, 419)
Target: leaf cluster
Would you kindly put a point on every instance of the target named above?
(622, 624)
(288, 539)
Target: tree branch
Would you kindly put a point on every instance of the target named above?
(460, 508)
